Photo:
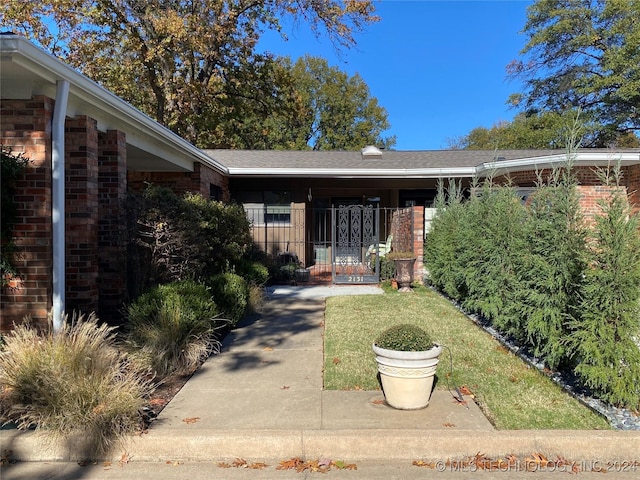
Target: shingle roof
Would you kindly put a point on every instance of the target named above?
(390, 163)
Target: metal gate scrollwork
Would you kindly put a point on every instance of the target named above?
(355, 244)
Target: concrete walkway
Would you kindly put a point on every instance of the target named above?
(262, 399)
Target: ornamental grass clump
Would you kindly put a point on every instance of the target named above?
(405, 338)
(71, 383)
(172, 328)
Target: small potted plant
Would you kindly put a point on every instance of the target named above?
(407, 359)
(404, 262)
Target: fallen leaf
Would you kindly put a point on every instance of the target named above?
(258, 466)
(223, 465)
(106, 464)
(124, 459)
(285, 387)
(336, 360)
(157, 402)
(422, 463)
(290, 464)
(240, 463)
(191, 420)
(448, 425)
(340, 465)
(459, 402)
(464, 390)
(378, 401)
(267, 349)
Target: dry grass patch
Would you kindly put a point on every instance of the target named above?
(512, 394)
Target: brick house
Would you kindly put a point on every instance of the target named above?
(64, 122)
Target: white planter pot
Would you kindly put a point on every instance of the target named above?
(407, 377)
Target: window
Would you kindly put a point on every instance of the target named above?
(266, 207)
(215, 192)
(277, 207)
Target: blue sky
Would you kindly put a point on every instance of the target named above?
(438, 67)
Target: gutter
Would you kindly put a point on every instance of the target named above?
(49, 68)
(354, 173)
(57, 201)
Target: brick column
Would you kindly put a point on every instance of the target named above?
(25, 126)
(418, 243)
(112, 224)
(81, 152)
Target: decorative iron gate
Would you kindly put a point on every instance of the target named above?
(355, 244)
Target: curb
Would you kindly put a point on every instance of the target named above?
(352, 445)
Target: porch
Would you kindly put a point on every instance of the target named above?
(339, 244)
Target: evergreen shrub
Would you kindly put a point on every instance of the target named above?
(605, 336)
(569, 294)
(172, 327)
(177, 238)
(231, 293)
(443, 246)
(12, 167)
(404, 337)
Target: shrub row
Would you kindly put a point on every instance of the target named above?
(193, 278)
(569, 293)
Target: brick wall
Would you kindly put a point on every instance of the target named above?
(528, 178)
(81, 152)
(198, 181)
(25, 126)
(590, 196)
(112, 224)
(631, 180)
(95, 225)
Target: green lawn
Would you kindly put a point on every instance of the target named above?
(512, 394)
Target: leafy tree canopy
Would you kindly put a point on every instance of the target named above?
(190, 64)
(583, 54)
(538, 130)
(340, 112)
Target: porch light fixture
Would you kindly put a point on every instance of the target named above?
(309, 196)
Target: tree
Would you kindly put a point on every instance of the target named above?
(527, 130)
(184, 62)
(537, 130)
(605, 333)
(340, 112)
(583, 54)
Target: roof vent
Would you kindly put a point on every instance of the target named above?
(370, 151)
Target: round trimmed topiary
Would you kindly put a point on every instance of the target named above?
(404, 337)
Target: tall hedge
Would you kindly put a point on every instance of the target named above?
(442, 247)
(568, 293)
(605, 336)
(553, 266)
(492, 251)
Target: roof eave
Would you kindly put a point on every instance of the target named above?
(352, 172)
(557, 160)
(46, 67)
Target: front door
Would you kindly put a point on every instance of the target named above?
(355, 244)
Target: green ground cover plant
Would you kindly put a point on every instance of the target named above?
(512, 394)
